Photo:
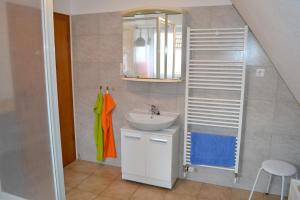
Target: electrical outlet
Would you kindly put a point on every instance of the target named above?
(260, 72)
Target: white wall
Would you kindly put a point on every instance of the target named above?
(276, 24)
(6, 82)
(6, 87)
(98, 6)
(25, 161)
(62, 6)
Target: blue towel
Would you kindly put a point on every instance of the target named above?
(213, 150)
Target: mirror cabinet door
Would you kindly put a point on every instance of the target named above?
(152, 46)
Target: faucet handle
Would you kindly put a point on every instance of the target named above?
(152, 106)
(154, 109)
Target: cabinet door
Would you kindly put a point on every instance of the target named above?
(159, 157)
(133, 153)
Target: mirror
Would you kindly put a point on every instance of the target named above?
(152, 45)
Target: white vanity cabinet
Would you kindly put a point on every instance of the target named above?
(150, 157)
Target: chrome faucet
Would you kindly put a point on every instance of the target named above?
(154, 110)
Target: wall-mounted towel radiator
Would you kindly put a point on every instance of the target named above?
(215, 85)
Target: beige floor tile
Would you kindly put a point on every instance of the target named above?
(214, 192)
(73, 178)
(191, 188)
(119, 178)
(120, 190)
(145, 192)
(85, 180)
(176, 196)
(84, 166)
(257, 196)
(236, 193)
(273, 197)
(76, 194)
(100, 197)
(244, 195)
(110, 172)
(94, 184)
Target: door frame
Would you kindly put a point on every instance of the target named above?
(52, 98)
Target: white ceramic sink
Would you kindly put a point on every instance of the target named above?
(143, 120)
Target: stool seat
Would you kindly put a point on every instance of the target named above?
(279, 168)
(276, 168)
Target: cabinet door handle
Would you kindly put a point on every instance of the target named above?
(158, 140)
(133, 136)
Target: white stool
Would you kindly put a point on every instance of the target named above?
(277, 168)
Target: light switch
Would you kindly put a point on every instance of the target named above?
(260, 72)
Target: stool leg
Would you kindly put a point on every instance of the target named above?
(257, 176)
(282, 188)
(269, 184)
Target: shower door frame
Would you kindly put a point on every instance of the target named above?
(52, 98)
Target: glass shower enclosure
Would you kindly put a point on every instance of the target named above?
(30, 163)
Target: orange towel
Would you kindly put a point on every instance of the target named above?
(109, 141)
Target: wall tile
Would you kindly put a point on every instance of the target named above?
(212, 176)
(225, 16)
(286, 119)
(286, 147)
(86, 48)
(256, 151)
(110, 23)
(255, 54)
(163, 101)
(164, 88)
(271, 116)
(199, 17)
(89, 77)
(85, 99)
(283, 93)
(85, 25)
(110, 48)
(258, 119)
(261, 88)
(137, 87)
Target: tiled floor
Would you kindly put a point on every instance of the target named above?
(90, 181)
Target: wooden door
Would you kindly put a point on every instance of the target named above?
(64, 86)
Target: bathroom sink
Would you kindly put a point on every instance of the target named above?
(144, 120)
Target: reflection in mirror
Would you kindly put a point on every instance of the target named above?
(152, 45)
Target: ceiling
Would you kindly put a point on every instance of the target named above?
(75, 7)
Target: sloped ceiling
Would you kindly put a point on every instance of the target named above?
(276, 24)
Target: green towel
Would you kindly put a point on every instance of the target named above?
(98, 131)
